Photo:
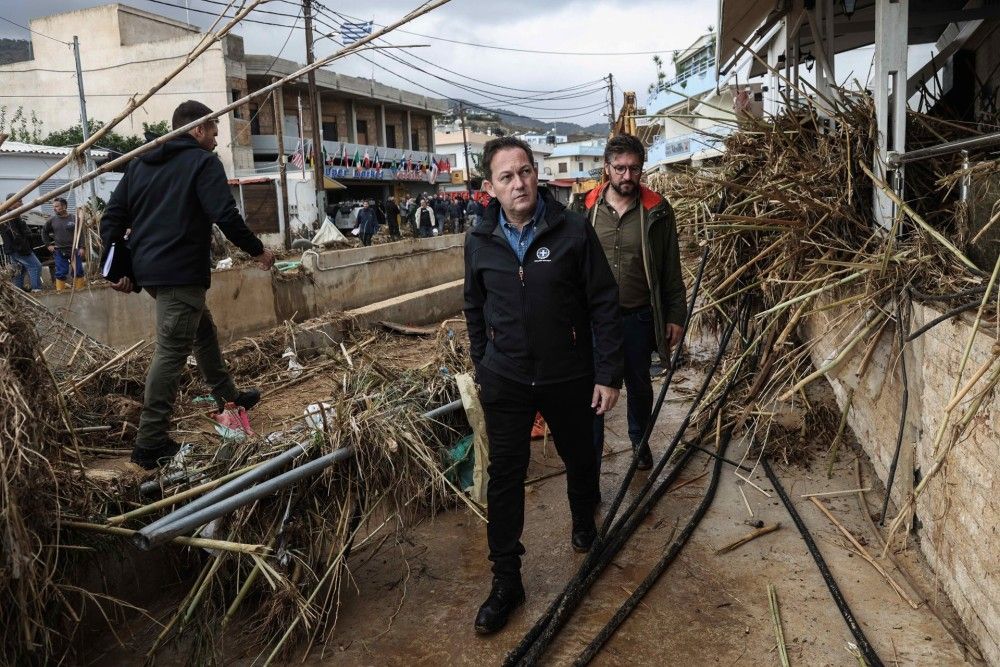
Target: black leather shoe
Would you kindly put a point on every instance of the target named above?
(150, 458)
(645, 459)
(583, 538)
(245, 399)
(506, 596)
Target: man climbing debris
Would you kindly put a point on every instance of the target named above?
(165, 206)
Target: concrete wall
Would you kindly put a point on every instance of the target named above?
(246, 300)
(959, 510)
(123, 51)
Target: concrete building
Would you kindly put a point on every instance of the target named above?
(358, 117)
(451, 144)
(575, 160)
(125, 51)
(693, 114)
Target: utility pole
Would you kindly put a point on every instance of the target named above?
(302, 143)
(85, 128)
(317, 139)
(611, 92)
(465, 148)
(279, 132)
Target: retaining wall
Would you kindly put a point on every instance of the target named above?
(959, 510)
(246, 300)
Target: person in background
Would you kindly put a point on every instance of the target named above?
(474, 211)
(392, 218)
(440, 212)
(17, 245)
(424, 218)
(367, 223)
(59, 233)
(170, 197)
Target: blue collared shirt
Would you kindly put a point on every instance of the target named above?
(520, 239)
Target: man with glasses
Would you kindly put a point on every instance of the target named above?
(637, 232)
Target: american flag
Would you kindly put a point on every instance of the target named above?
(352, 32)
(298, 160)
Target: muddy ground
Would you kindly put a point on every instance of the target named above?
(414, 599)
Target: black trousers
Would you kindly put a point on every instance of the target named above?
(510, 409)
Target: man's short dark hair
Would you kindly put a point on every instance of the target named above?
(621, 144)
(187, 112)
(62, 201)
(494, 146)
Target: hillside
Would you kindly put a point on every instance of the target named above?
(519, 123)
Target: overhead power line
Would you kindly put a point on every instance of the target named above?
(34, 32)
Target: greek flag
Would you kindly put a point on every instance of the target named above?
(352, 32)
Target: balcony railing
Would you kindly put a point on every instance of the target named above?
(268, 143)
(674, 91)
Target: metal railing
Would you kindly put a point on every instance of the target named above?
(992, 139)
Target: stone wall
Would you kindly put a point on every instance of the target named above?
(959, 510)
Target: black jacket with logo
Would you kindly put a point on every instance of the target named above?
(169, 198)
(551, 319)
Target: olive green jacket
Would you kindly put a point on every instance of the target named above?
(661, 259)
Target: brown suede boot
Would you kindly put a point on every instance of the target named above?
(79, 283)
(60, 285)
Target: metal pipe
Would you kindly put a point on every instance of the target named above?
(443, 410)
(148, 539)
(948, 147)
(229, 488)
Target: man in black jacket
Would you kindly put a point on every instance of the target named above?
(166, 204)
(392, 217)
(545, 330)
(17, 246)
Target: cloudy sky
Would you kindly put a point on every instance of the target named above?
(498, 76)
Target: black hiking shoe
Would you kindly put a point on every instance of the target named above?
(506, 596)
(150, 458)
(645, 458)
(245, 399)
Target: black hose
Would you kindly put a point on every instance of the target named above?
(938, 320)
(972, 291)
(902, 414)
(869, 654)
(654, 415)
(534, 643)
(668, 558)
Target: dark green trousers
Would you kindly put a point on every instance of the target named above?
(183, 326)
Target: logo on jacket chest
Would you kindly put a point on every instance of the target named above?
(542, 255)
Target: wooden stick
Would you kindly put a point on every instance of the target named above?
(752, 535)
(831, 494)
(199, 542)
(832, 455)
(779, 635)
(864, 553)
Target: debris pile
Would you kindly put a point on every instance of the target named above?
(276, 565)
(788, 218)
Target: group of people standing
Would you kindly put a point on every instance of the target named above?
(60, 237)
(430, 216)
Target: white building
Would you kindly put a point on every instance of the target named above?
(575, 160)
(20, 164)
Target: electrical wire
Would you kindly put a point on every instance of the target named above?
(518, 50)
(35, 32)
(584, 110)
(510, 100)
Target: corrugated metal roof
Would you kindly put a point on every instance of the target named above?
(36, 149)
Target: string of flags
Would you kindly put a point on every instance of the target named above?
(374, 160)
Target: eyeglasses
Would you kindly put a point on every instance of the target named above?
(620, 169)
